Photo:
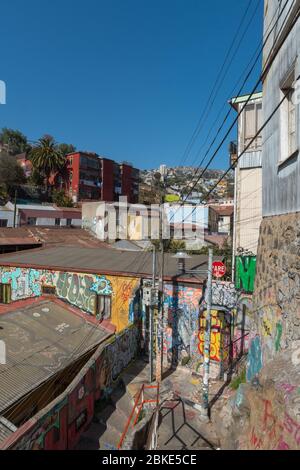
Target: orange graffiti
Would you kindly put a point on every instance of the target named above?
(215, 337)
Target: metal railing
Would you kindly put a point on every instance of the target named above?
(139, 403)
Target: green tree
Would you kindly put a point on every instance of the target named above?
(14, 141)
(171, 245)
(11, 173)
(46, 158)
(66, 148)
(60, 199)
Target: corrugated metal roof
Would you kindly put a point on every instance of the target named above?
(98, 260)
(41, 340)
(6, 429)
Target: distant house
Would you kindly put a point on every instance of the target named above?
(6, 217)
(46, 216)
(220, 219)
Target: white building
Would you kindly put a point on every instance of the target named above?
(248, 174)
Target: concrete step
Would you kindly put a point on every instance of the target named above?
(109, 439)
(122, 401)
(117, 420)
(103, 415)
(90, 439)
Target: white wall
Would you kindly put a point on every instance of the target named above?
(7, 215)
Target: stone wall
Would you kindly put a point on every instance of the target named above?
(276, 301)
(265, 412)
(265, 415)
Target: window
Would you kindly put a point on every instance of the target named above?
(31, 221)
(252, 124)
(57, 222)
(292, 144)
(69, 222)
(3, 222)
(5, 293)
(49, 290)
(81, 420)
(103, 307)
(289, 144)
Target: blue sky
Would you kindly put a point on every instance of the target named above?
(127, 79)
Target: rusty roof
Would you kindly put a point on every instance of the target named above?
(41, 340)
(100, 260)
(223, 210)
(52, 236)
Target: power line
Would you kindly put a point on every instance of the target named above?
(245, 104)
(220, 79)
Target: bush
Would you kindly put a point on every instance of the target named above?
(185, 360)
(240, 379)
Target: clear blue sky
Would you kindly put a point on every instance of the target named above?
(124, 78)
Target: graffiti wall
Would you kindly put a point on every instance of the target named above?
(224, 294)
(276, 299)
(181, 321)
(219, 337)
(245, 269)
(60, 425)
(78, 289)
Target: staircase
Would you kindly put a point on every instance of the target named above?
(109, 422)
(110, 418)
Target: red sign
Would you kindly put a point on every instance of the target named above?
(219, 269)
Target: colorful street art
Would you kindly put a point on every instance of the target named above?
(254, 362)
(60, 427)
(181, 320)
(78, 289)
(220, 332)
(245, 273)
(224, 294)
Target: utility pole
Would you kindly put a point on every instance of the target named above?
(15, 207)
(160, 323)
(206, 355)
(151, 316)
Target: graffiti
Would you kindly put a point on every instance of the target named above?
(120, 353)
(245, 273)
(218, 349)
(254, 362)
(79, 290)
(287, 388)
(43, 431)
(255, 441)
(181, 321)
(278, 336)
(126, 301)
(224, 294)
(24, 282)
(275, 428)
(61, 426)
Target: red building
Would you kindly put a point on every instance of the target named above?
(100, 179)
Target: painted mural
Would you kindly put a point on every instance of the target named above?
(219, 337)
(60, 426)
(245, 273)
(181, 321)
(78, 289)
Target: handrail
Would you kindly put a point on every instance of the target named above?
(139, 407)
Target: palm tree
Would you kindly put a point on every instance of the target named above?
(47, 158)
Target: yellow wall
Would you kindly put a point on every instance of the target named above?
(123, 293)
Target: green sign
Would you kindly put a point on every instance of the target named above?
(245, 269)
